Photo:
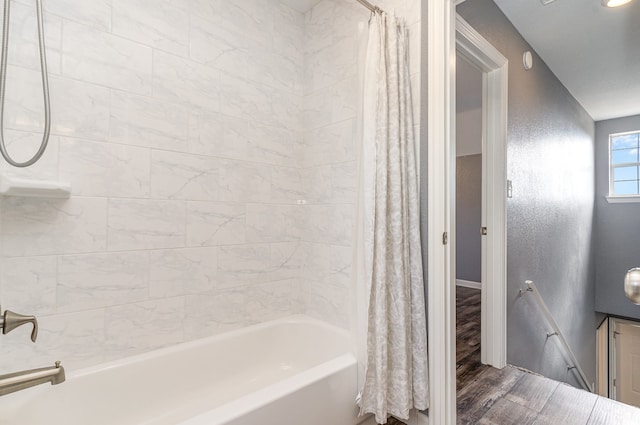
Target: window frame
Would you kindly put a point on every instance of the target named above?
(612, 197)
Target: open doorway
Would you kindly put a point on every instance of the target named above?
(469, 218)
(479, 60)
(441, 221)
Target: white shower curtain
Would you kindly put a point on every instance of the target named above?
(388, 253)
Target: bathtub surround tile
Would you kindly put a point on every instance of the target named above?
(77, 109)
(183, 271)
(316, 110)
(270, 301)
(218, 47)
(24, 94)
(328, 158)
(215, 223)
(21, 145)
(29, 284)
(272, 145)
(330, 224)
(318, 25)
(273, 70)
(316, 262)
(317, 182)
(285, 262)
(332, 184)
(332, 64)
(253, 19)
(326, 264)
(344, 178)
(180, 80)
(184, 176)
(100, 280)
(331, 105)
(31, 226)
(343, 105)
(101, 58)
(214, 313)
(244, 263)
(273, 223)
(155, 23)
(242, 181)
(140, 327)
(24, 39)
(147, 122)
(246, 99)
(327, 302)
(77, 339)
(349, 16)
(287, 185)
(330, 144)
(253, 263)
(145, 224)
(287, 110)
(95, 13)
(104, 169)
(169, 250)
(214, 134)
(340, 266)
(288, 36)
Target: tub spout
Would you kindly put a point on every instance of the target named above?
(17, 381)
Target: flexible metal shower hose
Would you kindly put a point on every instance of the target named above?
(45, 86)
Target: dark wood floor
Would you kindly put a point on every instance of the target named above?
(513, 396)
(468, 364)
(509, 396)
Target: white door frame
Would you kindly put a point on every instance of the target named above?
(441, 294)
(445, 31)
(494, 67)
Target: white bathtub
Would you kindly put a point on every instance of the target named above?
(294, 371)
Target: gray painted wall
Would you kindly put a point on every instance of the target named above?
(551, 215)
(618, 229)
(468, 171)
(468, 217)
(468, 108)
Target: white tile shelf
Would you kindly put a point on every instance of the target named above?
(16, 186)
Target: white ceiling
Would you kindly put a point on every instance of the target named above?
(593, 50)
(300, 5)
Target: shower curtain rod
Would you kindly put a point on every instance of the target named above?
(369, 6)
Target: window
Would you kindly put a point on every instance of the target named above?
(624, 165)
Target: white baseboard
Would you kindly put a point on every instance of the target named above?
(468, 284)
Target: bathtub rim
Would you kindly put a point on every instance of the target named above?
(216, 338)
(275, 391)
(233, 409)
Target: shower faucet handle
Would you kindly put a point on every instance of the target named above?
(10, 320)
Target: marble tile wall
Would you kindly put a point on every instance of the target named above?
(179, 126)
(328, 160)
(210, 148)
